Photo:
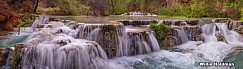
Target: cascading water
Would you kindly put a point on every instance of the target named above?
(230, 36)
(190, 53)
(51, 49)
(183, 36)
(57, 47)
(7, 52)
(114, 38)
(209, 32)
(141, 43)
(180, 34)
(111, 37)
(40, 20)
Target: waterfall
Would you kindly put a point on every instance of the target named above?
(10, 52)
(39, 20)
(155, 44)
(5, 55)
(51, 49)
(115, 40)
(230, 36)
(180, 32)
(141, 42)
(183, 36)
(77, 54)
(209, 32)
(93, 34)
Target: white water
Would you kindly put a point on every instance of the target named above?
(155, 44)
(145, 43)
(51, 50)
(40, 20)
(138, 14)
(183, 36)
(48, 49)
(211, 50)
(230, 36)
(209, 32)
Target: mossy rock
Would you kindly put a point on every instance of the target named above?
(220, 37)
(15, 62)
(167, 42)
(163, 34)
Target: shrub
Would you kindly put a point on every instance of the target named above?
(161, 30)
(22, 22)
(69, 7)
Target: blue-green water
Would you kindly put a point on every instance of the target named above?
(237, 58)
(9, 39)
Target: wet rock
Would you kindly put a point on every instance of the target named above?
(221, 20)
(197, 38)
(137, 42)
(138, 22)
(5, 53)
(63, 42)
(220, 37)
(167, 42)
(3, 56)
(54, 19)
(237, 48)
(109, 36)
(239, 30)
(40, 26)
(234, 24)
(16, 58)
(194, 32)
(180, 22)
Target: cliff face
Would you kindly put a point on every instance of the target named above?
(8, 19)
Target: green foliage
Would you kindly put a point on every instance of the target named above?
(204, 8)
(69, 7)
(187, 8)
(25, 20)
(121, 6)
(241, 14)
(161, 30)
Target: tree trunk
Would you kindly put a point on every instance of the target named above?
(113, 7)
(36, 5)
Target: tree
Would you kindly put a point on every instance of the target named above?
(112, 4)
(98, 6)
(36, 5)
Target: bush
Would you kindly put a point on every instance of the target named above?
(178, 10)
(161, 30)
(22, 22)
(69, 7)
